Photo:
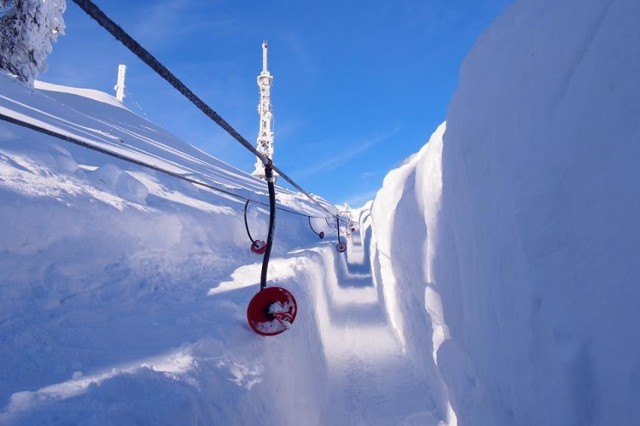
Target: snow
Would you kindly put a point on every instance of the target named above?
(492, 280)
(528, 254)
(28, 30)
(107, 269)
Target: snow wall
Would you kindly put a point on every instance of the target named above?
(516, 230)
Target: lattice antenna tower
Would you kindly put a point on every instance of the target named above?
(265, 133)
(119, 87)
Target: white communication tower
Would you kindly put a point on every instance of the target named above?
(265, 133)
(119, 87)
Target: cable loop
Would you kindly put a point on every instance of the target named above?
(319, 234)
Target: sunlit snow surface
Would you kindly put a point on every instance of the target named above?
(125, 291)
(525, 251)
(492, 281)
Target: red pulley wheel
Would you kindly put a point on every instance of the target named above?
(272, 311)
(341, 247)
(258, 247)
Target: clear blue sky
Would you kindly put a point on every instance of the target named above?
(358, 85)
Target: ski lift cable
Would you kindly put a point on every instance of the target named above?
(273, 309)
(341, 246)
(268, 171)
(128, 159)
(136, 48)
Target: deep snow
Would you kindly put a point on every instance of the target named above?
(530, 254)
(107, 267)
(492, 281)
(126, 289)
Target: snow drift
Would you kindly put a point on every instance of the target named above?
(492, 281)
(106, 311)
(531, 262)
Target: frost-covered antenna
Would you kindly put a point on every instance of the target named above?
(265, 133)
(119, 87)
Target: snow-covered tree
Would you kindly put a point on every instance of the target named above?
(27, 29)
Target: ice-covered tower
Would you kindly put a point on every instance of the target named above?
(265, 134)
(119, 87)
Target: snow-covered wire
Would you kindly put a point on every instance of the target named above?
(130, 96)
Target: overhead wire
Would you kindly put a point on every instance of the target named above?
(132, 160)
(136, 48)
(135, 103)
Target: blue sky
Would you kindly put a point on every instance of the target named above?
(358, 85)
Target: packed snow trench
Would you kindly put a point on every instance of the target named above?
(124, 291)
(340, 363)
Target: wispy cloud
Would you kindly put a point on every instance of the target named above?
(359, 199)
(344, 156)
(159, 20)
(167, 22)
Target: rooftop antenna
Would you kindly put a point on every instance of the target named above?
(265, 133)
(119, 87)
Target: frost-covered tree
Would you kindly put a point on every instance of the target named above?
(27, 29)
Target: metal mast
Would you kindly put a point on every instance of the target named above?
(265, 133)
(119, 87)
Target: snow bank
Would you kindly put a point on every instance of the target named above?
(404, 218)
(64, 91)
(107, 313)
(537, 229)
(500, 288)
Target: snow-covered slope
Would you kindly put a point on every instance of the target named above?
(124, 290)
(527, 263)
(492, 281)
(107, 267)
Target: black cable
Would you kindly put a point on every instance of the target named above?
(131, 160)
(319, 234)
(246, 224)
(268, 171)
(92, 10)
(341, 247)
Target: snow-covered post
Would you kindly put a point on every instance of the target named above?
(119, 87)
(27, 29)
